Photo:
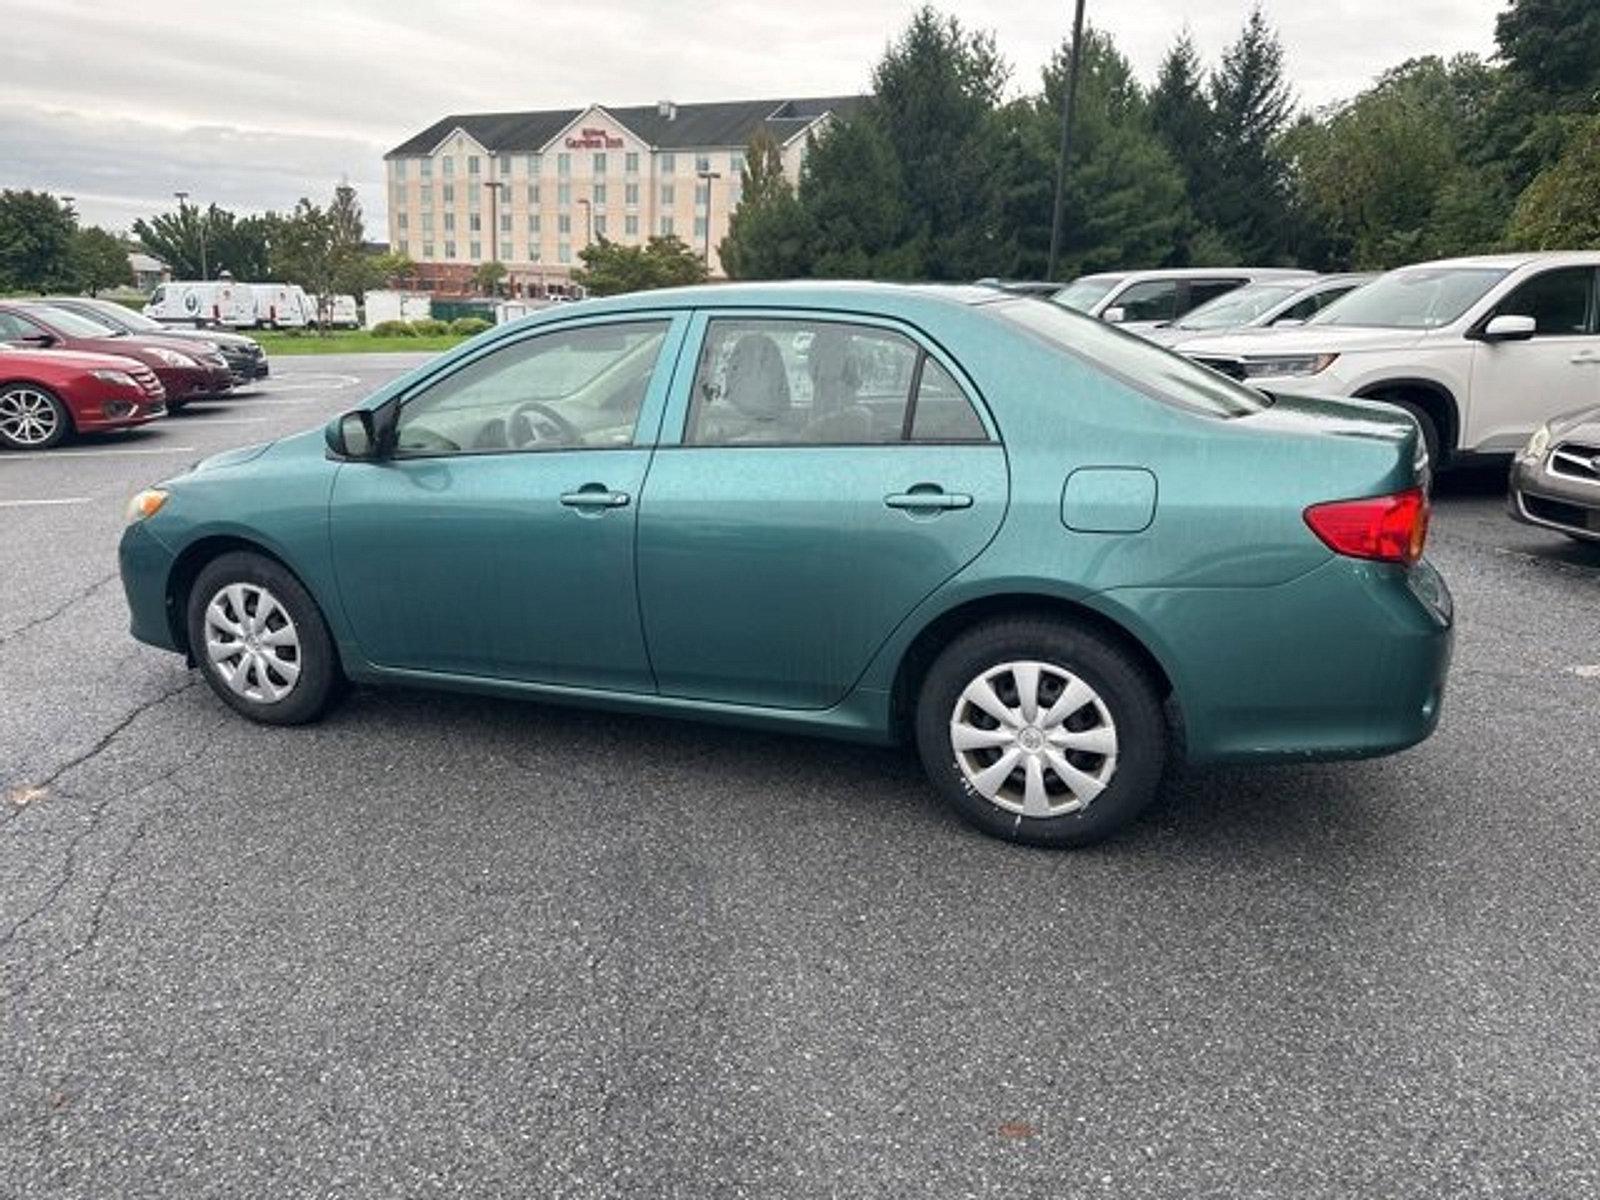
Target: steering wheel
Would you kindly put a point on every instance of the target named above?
(523, 431)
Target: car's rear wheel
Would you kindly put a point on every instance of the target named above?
(261, 641)
(1040, 732)
(32, 417)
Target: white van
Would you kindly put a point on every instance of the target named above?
(340, 312)
(209, 303)
(283, 306)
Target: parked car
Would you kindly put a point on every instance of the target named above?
(187, 372)
(1479, 351)
(211, 303)
(1555, 480)
(1270, 304)
(1036, 545)
(1141, 300)
(244, 356)
(48, 395)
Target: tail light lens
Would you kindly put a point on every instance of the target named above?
(1382, 528)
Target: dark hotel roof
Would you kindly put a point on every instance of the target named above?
(691, 126)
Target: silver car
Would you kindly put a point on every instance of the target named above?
(1273, 302)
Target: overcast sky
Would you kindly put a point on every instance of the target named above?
(255, 105)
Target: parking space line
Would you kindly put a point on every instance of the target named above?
(41, 503)
(138, 451)
(230, 420)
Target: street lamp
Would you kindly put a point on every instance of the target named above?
(201, 226)
(706, 177)
(494, 186)
(1070, 89)
(588, 220)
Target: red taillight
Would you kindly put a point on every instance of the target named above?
(1384, 528)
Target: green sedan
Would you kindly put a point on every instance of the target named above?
(1058, 559)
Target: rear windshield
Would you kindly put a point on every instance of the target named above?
(1157, 372)
(1412, 298)
(1083, 294)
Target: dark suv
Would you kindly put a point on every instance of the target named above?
(244, 356)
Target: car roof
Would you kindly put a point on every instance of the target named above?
(851, 295)
(1202, 273)
(1511, 261)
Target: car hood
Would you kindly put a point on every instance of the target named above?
(1306, 339)
(234, 457)
(85, 359)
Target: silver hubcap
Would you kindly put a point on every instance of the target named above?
(27, 417)
(1034, 739)
(251, 642)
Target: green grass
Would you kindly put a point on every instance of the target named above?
(350, 341)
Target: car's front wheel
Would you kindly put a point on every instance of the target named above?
(261, 641)
(32, 418)
(1040, 732)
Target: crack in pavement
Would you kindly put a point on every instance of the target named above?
(12, 635)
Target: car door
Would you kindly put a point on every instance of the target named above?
(818, 477)
(1517, 385)
(497, 538)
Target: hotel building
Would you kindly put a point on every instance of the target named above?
(531, 189)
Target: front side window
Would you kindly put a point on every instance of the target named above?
(815, 383)
(1081, 295)
(1151, 300)
(1560, 302)
(562, 390)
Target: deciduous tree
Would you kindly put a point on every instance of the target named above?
(610, 268)
(36, 240)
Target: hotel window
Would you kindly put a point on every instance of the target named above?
(533, 222)
(564, 223)
(533, 164)
(427, 168)
(505, 222)
(564, 252)
(427, 222)
(563, 164)
(533, 193)
(563, 194)
(474, 195)
(507, 248)
(449, 249)
(400, 219)
(666, 226)
(630, 225)
(630, 193)
(668, 163)
(599, 193)
(669, 194)
(630, 163)
(449, 165)
(475, 250)
(472, 164)
(475, 223)
(399, 165)
(702, 162)
(449, 193)
(427, 196)
(701, 191)
(600, 225)
(427, 249)
(736, 162)
(699, 228)
(534, 252)
(449, 222)
(599, 165)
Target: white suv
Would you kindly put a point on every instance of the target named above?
(1481, 351)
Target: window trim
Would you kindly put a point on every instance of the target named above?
(675, 425)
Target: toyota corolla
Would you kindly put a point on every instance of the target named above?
(1057, 559)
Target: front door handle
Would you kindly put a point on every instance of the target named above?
(595, 495)
(927, 497)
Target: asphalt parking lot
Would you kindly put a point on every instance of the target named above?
(440, 945)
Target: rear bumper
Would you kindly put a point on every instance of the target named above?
(1570, 506)
(145, 564)
(1347, 661)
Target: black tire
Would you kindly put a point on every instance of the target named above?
(63, 419)
(319, 679)
(1429, 427)
(177, 406)
(1143, 738)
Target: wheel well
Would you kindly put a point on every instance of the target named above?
(928, 645)
(187, 569)
(1431, 398)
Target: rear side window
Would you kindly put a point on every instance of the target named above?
(804, 382)
(1152, 300)
(1156, 372)
(1560, 302)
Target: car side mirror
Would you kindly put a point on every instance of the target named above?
(1115, 316)
(352, 435)
(1507, 328)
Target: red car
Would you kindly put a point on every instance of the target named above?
(47, 394)
(187, 371)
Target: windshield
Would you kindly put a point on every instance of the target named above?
(70, 323)
(1239, 307)
(1148, 367)
(1412, 298)
(1083, 294)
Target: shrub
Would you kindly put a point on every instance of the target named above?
(430, 327)
(468, 326)
(393, 329)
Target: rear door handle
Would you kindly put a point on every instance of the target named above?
(594, 495)
(927, 498)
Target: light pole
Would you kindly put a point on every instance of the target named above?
(494, 186)
(588, 221)
(706, 177)
(1066, 138)
(201, 226)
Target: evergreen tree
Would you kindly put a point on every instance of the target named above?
(1560, 210)
(769, 236)
(1181, 116)
(1248, 202)
(855, 205)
